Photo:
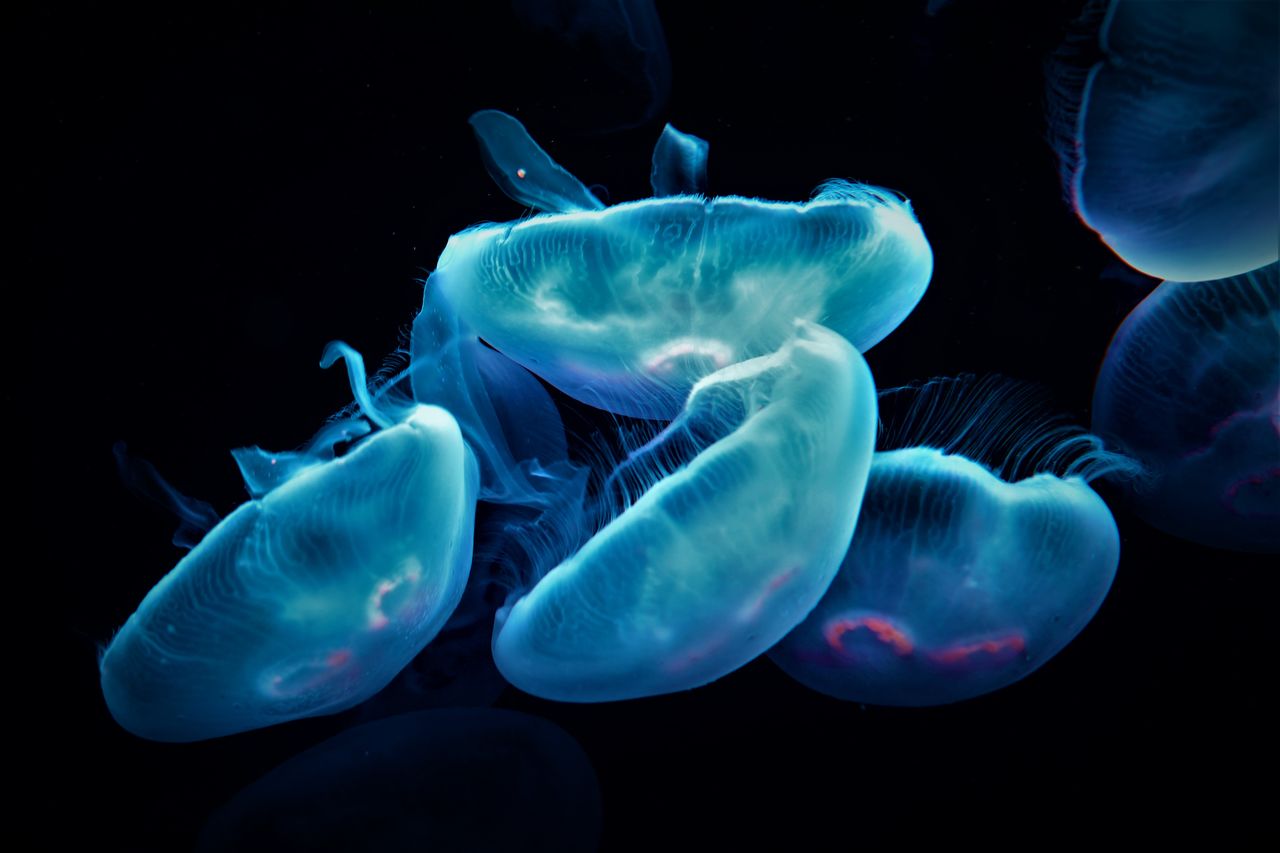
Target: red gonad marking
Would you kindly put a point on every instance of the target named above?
(880, 628)
(1000, 646)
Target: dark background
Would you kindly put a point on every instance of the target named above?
(221, 188)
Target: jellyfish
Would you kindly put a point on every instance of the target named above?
(679, 164)
(455, 669)
(507, 418)
(451, 779)
(980, 550)
(1190, 387)
(714, 562)
(621, 37)
(626, 307)
(308, 599)
(1166, 121)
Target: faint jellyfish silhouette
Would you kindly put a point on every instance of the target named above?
(309, 598)
(722, 556)
(196, 517)
(621, 39)
(625, 308)
(962, 578)
(508, 419)
(448, 779)
(1190, 387)
(1165, 118)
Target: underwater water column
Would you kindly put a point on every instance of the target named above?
(450, 779)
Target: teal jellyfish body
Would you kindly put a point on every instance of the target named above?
(626, 307)
(1170, 140)
(718, 560)
(506, 416)
(956, 583)
(980, 549)
(307, 600)
(1191, 387)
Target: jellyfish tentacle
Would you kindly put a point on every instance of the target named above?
(679, 164)
(265, 470)
(523, 170)
(196, 517)
(335, 350)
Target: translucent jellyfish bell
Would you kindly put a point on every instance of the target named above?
(719, 559)
(1167, 124)
(309, 599)
(962, 578)
(626, 307)
(1191, 387)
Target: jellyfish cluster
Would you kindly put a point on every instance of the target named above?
(758, 496)
(735, 328)
(1166, 118)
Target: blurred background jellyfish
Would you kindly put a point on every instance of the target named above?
(456, 668)
(616, 46)
(979, 553)
(626, 307)
(309, 598)
(1191, 387)
(195, 517)
(1166, 119)
(475, 779)
(733, 521)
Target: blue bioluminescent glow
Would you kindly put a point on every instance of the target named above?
(627, 307)
(718, 560)
(1167, 122)
(309, 599)
(820, 490)
(1191, 387)
(958, 580)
